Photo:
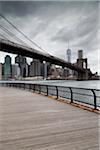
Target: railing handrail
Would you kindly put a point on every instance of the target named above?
(50, 85)
(28, 85)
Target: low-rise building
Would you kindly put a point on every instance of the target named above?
(15, 71)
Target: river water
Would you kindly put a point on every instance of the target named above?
(93, 84)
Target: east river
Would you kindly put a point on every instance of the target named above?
(95, 84)
(90, 84)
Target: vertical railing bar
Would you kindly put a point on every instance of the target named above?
(56, 92)
(47, 89)
(95, 105)
(71, 92)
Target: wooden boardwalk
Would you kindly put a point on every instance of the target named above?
(29, 121)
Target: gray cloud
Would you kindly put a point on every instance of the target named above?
(52, 24)
(18, 8)
(84, 27)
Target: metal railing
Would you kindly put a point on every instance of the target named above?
(90, 97)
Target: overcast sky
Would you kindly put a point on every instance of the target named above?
(53, 24)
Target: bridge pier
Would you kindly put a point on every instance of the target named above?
(82, 62)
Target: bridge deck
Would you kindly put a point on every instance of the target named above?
(30, 121)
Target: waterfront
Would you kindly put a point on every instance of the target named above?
(91, 84)
(95, 84)
(86, 92)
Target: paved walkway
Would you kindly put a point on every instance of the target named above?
(29, 121)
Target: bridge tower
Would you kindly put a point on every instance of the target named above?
(82, 63)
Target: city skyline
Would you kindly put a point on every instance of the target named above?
(52, 24)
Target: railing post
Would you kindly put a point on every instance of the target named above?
(56, 92)
(95, 101)
(47, 89)
(71, 94)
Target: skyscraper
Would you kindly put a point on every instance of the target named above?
(7, 67)
(35, 68)
(68, 54)
(15, 71)
(21, 60)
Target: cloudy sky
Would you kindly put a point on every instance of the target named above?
(52, 24)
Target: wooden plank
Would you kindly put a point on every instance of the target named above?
(29, 121)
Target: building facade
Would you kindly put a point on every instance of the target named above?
(35, 68)
(15, 71)
(68, 54)
(7, 68)
(22, 62)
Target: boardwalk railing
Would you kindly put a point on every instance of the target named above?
(89, 97)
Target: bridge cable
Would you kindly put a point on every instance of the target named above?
(11, 34)
(1, 35)
(22, 33)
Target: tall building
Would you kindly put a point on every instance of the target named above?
(38, 68)
(53, 71)
(80, 54)
(68, 55)
(7, 67)
(35, 68)
(15, 71)
(21, 60)
(46, 68)
(69, 72)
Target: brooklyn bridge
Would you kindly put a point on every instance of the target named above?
(15, 48)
